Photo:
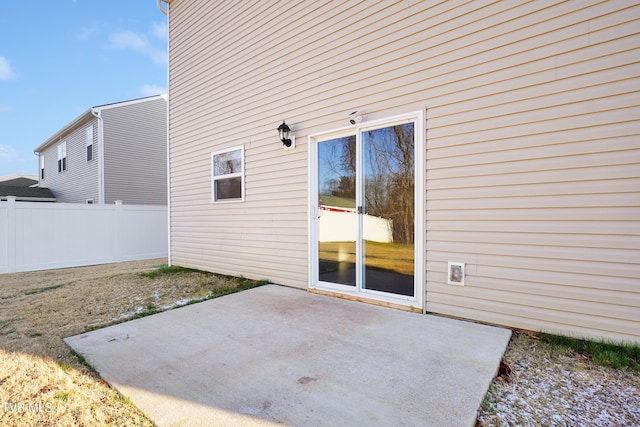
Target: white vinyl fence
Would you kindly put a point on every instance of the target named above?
(41, 236)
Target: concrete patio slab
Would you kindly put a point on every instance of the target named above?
(276, 355)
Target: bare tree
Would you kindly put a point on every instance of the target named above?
(389, 178)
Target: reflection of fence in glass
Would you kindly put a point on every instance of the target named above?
(340, 225)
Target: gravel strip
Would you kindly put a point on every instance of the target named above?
(551, 386)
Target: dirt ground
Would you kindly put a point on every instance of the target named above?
(42, 383)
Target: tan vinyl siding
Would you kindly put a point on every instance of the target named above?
(80, 181)
(135, 166)
(532, 143)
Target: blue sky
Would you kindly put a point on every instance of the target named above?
(60, 57)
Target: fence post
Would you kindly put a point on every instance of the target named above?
(11, 234)
(119, 231)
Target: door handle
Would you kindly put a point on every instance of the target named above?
(360, 210)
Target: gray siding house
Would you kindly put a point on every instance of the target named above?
(110, 152)
(472, 159)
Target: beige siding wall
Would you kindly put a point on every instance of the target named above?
(135, 144)
(533, 152)
(80, 181)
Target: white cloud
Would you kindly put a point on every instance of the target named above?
(5, 69)
(8, 153)
(5, 108)
(86, 32)
(159, 30)
(150, 90)
(129, 40)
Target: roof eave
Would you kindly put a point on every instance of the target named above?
(88, 114)
(71, 125)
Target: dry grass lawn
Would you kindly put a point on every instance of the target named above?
(42, 383)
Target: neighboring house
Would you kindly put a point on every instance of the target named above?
(501, 140)
(24, 188)
(19, 180)
(110, 152)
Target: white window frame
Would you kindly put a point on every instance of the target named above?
(41, 166)
(89, 142)
(240, 175)
(62, 157)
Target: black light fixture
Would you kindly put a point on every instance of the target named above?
(283, 131)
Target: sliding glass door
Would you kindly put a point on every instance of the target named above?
(364, 211)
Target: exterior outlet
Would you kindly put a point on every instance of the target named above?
(455, 273)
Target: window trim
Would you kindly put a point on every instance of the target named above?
(42, 166)
(240, 175)
(62, 156)
(89, 142)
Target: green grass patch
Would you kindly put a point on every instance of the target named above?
(127, 401)
(8, 322)
(165, 270)
(603, 353)
(65, 367)
(243, 284)
(41, 290)
(62, 396)
(148, 310)
(84, 362)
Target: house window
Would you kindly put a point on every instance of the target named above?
(62, 157)
(42, 166)
(89, 141)
(227, 179)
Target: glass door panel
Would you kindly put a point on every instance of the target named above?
(337, 226)
(388, 209)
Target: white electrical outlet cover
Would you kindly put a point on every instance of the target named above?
(455, 273)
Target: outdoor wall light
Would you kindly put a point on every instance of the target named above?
(283, 131)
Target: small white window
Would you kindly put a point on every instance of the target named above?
(89, 141)
(227, 177)
(62, 157)
(41, 166)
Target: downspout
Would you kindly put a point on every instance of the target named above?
(98, 115)
(166, 12)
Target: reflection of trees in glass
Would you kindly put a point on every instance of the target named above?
(337, 169)
(227, 163)
(389, 177)
(389, 174)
